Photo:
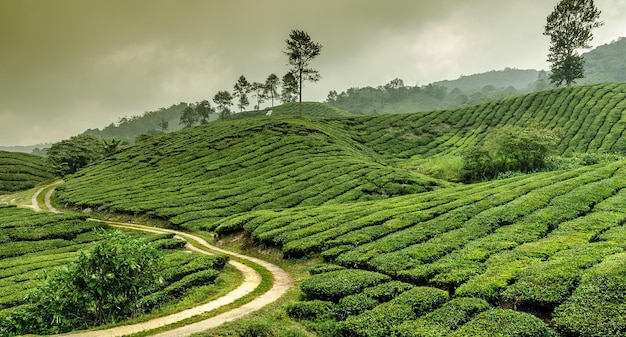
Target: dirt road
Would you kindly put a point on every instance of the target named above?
(281, 283)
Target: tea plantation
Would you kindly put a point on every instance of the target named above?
(404, 254)
(20, 171)
(32, 243)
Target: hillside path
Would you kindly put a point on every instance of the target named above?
(252, 279)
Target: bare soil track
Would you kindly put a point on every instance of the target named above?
(252, 279)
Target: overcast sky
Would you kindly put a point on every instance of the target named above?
(70, 65)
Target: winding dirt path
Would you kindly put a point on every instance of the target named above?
(252, 279)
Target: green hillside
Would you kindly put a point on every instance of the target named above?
(202, 174)
(592, 118)
(309, 109)
(538, 243)
(404, 255)
(20, 171)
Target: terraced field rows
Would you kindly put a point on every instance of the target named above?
(205, 174)
(20, 171)
(525, 243)
(31, 243)
(592, 117)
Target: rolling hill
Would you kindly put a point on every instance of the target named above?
(206, 173)
(406, 255)
(20, 171)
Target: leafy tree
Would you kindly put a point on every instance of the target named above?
(569, 27)
(290, 88)
(301, 50)
(70, 155)
(224, 100)
(189, 117)
(271, 87)
(101, 286)
(240, 91)
(259, 92)
(204, 111)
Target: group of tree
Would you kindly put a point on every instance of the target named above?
(70, 155)
(300, 50)
(128, 128)
(396, 97)
(509, 149)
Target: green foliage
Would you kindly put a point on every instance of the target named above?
(381, 320)
(315, 310)
(20, 171)
(598, 305)
(442, 321)
(101, 286)
(509, 148)
(334, 285)
(505, 323)
(70, 155)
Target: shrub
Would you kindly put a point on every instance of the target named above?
(387, 291)
(381, 320)
(505, 323)
(598, 306)
(324, 268)
(353, 305)
(101, 286)
(334, 285)
(315, 310)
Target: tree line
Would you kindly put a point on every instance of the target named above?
(300, 50)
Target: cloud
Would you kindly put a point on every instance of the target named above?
(69, 65)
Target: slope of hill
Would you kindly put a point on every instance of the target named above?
(541, 243)
(128, 128)
(415, 256)
(309, 109)
(605, 63)
(591, 118)
(224, 168)
(602, 64)
(21, 171)
(520, 79)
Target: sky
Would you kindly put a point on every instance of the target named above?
(70, 65)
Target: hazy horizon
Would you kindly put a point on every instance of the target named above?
(71, 65)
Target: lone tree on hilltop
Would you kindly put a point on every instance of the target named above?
(224, 100)
(301, 50)
(240, 91)
(569, 27)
